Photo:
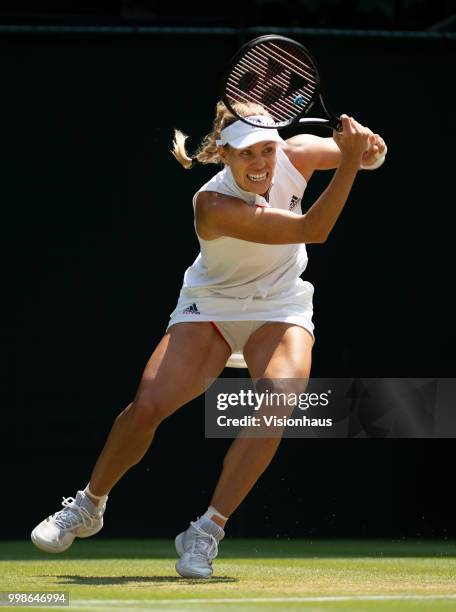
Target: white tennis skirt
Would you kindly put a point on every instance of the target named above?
(294, 305)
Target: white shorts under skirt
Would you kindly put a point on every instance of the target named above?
(201, 305)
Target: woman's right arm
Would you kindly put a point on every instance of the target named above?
(220, 215)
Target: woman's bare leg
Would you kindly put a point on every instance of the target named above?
(274, 351)
(187, 357)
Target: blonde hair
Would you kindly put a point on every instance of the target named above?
(207, 152)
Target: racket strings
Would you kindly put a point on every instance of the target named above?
(254, 64)
(278, 107)
(294, 63)
(276, 116)
(238, 95)
(266, 95)
(279, 77)
(290, 86)
(295, 70)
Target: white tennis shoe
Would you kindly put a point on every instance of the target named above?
(196, 549)
(79, 518)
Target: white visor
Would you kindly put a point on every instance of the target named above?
(240, 134)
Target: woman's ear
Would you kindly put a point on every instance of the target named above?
(223, 154)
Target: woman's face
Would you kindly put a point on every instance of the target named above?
(252, 167)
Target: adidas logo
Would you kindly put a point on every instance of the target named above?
(191, 310)
(294, 202)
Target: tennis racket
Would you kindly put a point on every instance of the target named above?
(282, 76)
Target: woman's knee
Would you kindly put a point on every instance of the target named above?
(279, 397)
(148, 410)
(281, 387)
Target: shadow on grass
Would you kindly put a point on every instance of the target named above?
(125, 580)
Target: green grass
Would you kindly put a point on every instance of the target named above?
(274, 576)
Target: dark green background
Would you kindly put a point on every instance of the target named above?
(97, 232)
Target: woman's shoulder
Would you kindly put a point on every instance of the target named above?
(210, 208)
(302, 146)
(209, 197)
(308, 152)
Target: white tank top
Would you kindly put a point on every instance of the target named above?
(238, 268)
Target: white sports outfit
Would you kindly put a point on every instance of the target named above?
(237, 280)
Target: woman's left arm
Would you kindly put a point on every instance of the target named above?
(308, 153)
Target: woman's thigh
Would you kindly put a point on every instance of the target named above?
(279, 357)
(279, 350)
(186, 360)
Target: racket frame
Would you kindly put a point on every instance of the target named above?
(332, 121)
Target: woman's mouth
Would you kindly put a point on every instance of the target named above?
(257, 178)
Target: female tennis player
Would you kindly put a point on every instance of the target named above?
(242, 303)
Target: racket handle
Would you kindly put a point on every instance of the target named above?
(332, 124)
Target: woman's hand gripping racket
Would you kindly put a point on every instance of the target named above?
(281, 75)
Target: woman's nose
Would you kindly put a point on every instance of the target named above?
(258, 163)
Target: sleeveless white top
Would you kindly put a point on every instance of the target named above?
(237, 268)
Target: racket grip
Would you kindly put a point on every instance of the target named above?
(337, 124)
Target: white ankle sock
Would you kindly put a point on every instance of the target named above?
(211, 511)
(209, 526)
(99, 498)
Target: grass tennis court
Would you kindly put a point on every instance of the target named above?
(250, 575)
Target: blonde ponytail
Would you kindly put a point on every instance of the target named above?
(179, 151)
(207, 152)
